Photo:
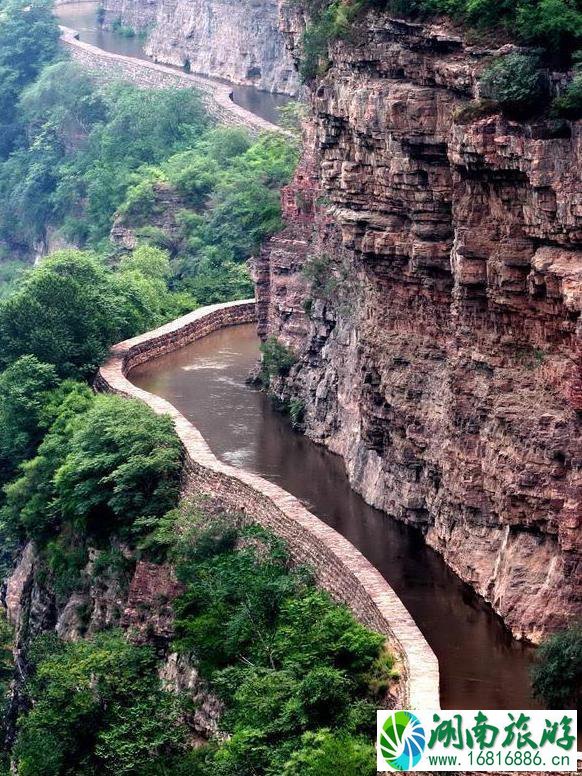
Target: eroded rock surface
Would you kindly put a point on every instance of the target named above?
(430, 281)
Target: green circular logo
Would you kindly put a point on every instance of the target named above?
(402, 740)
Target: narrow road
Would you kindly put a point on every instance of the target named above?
(217, 97)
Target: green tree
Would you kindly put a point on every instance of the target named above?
(569, 104)
(23, 390)
(104, 462)
(29, 37)
(555, 24)
(325, 753)
(122, 462)
(276, 359)
(97, 707)
(29, 511)
(515, 82)
(64, 313)
(64, 94)
(557, 674)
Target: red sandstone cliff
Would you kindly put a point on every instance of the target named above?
(430, 281)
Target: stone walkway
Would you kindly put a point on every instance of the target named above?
(216, 96)
(338, 566)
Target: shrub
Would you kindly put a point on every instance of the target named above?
(276, 359)
(124, 30)
(296, 411)
(318, 271)
(515, 82)
(569, 104)
(282, 656)
(64, 313)
(105, 462)
(555, 25)
(557, 675)
(24, 387)
(122, 462)
(332, 22)
(97, 707)
(326, 752)
(475, 110)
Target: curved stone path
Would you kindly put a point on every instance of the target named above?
(216, 96)
(338, 566)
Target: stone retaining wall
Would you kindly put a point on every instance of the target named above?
(107, 67)
(339, 567)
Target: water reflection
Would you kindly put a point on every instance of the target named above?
(83, 18)
(482, 666)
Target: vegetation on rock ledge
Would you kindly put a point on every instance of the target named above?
(553, 26)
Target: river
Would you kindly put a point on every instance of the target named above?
(481, 665)
(83, 18)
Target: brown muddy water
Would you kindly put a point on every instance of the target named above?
(481, 665)
(83, 18)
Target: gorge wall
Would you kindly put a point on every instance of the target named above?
(235, 39)
(429, 280)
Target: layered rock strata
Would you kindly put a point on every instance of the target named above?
(429, 280)
(235, 39)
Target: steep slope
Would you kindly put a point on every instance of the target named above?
(430, 282)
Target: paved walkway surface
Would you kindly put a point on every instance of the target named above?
(216, 96)
(338, 566)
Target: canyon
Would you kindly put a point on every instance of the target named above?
(429, 283)
(239, 41)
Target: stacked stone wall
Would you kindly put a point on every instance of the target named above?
(338, 566)
(108, 67)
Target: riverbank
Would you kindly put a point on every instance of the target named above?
(338, 566)
(108, 66)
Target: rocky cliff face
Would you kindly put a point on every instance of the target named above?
(430, 281)
(139, 599)
(234, 39)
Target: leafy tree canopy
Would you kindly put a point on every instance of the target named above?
(557, 675)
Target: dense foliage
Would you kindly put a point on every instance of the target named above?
(6, 674)
(103, 463)
(98, 708)
(569, 104)
(24, 389)
(89, 155)
(282, 656)
(298, 676)
(229, 187)
(72, 307)
(276, 360)
(557, 674)
(28, 40)
(514, 82)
